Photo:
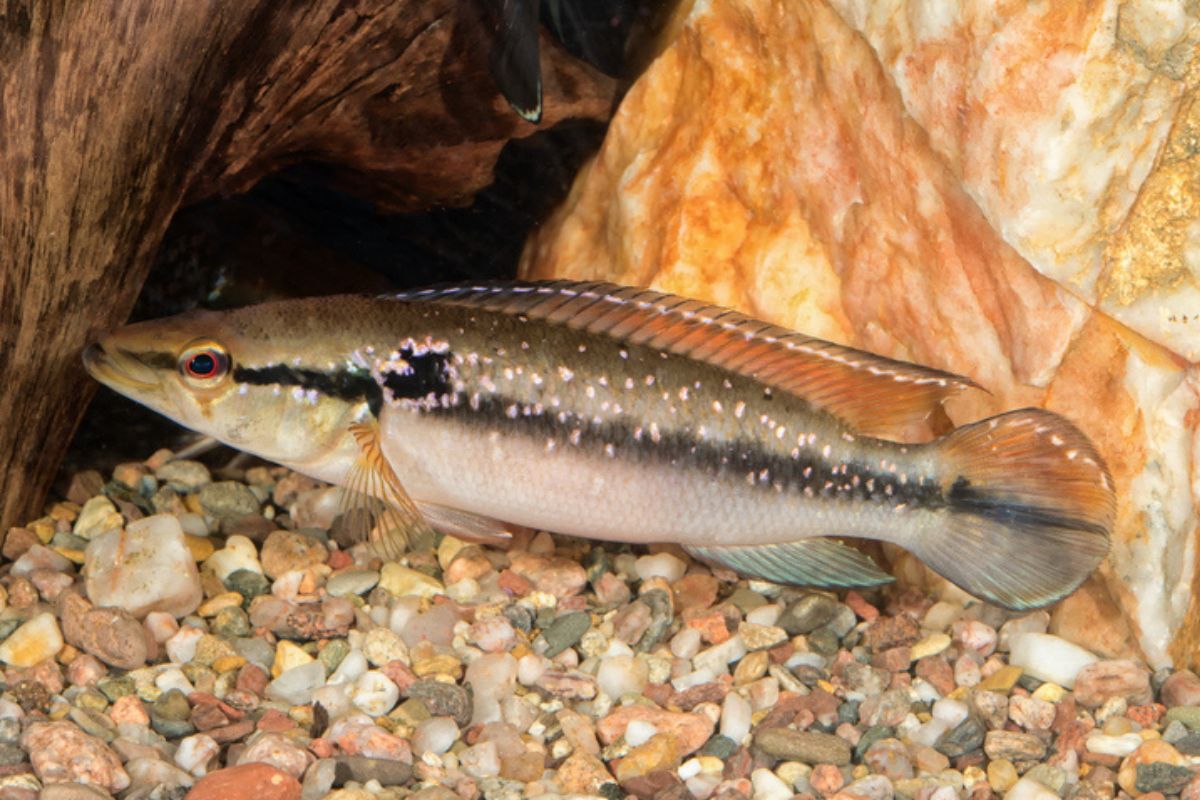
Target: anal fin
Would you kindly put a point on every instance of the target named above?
(374, 502)
(822, 563)
(465, 525)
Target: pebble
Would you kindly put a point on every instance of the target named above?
(736, 717)
(374, 694)
(61, 753)
(239, 553)
(98, 516)
(286, 551)
(1182, 688)
(662, 565)
(402, 581)
(147, 567)
(768, 786)
(435, 735)
(352, 582)
(1013, 746)
(34, 641)
(184, 475)
(1029, 789)
(228, 500)
(296, 685)
(810, 747)
(1049, 658)
(248, 781)
(622, 675)
(565, 631)
(1101, 680)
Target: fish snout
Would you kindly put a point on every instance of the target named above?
(116, 368)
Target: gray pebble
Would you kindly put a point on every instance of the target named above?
(352, 582)
(966, 737)
(363, 769)
(1159, 776)
(443, 700)
(807, 614)
(228, 500)
(184, 475)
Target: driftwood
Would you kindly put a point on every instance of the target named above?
(114, 113)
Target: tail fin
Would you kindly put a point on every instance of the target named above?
(1030, 505)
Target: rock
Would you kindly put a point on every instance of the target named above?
(964, 738)
(278, 751)
(184, 476)
(352, 582)
(1029, 789)
(1013, 746)
(32, 642)
(1160, 777)
(228, 500)
(434, 735)
(72, 791)
(768, 786)
(761, 637)
(1182, 688)
(888, 632)
(285, 551)
(374, 694)
(493, 634)
(403, 581)
(246, 782)
(807, 614)
(619, 676)
(147, 567)
(565, 631)
(688, 731)
(296, 685)
(560, 577)
(1153, 751)
(809, 747)
(692, 591)
(110, 634)
(388, 771)
(195, 753)
(97, 516)
(61, 753)
(443, 700)
(583, 774)
(1098, 681)
(38, 558)
(660, 753)
(1049, 658)
(238, 554)
(661, 565)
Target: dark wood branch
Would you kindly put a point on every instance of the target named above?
(113, 113)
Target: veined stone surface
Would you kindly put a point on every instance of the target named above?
(946, 183)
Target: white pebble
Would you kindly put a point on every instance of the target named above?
(951, 712)
(195, 752)
(334, 699)
(353, 667)
(161, 625)
(147, 567)
(717, 658)
(662, 565)
(173, 678)
(1049, 658)
(1029, 789)
(928, 732)
(765, 615)
(622, 675)
(617, 648)
(403, 610)
(1105, 745)
(693, 678)
(686, 643)
(530, 668)
(238, 553)
(375, 694)
(768, 786)
(181, 648)
(295, 686)
(481, 760)
(639, 731)
(689, 769)
(735, 717)
(435, 735)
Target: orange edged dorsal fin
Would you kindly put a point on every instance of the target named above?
(374, 503)
(873, 395)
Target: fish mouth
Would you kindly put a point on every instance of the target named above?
(117, 369)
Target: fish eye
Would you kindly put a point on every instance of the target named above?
(204, 362)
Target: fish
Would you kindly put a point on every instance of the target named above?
(625, 414)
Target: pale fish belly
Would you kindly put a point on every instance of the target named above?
(520, 480)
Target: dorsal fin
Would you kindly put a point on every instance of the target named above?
(872, 394)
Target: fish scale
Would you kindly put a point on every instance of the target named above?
(626, 414)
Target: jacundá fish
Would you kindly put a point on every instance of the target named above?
(626, 414)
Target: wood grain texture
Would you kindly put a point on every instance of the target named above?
(113, 113)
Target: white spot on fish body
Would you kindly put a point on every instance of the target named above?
(683, 394)
(610, 451)
(576, 435)
(565, 374)
(550, 445)
(655, 436)
(512, 411)
(739, 409)
(649, 380)
(590, 391)
(624, 353)
(825, 451)
(583, 348)
(716, 406)
(629, 383)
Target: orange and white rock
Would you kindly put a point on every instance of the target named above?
(953, 184)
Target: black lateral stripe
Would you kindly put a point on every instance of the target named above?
(965, 497)
(343, 384)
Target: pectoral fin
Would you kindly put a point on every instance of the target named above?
(465, 525)
(375, 505)
(823, 563)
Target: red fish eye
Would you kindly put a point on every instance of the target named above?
(204, 364)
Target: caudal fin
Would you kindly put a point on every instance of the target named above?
(1030, 506)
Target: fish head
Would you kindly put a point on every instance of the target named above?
(247, 377)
